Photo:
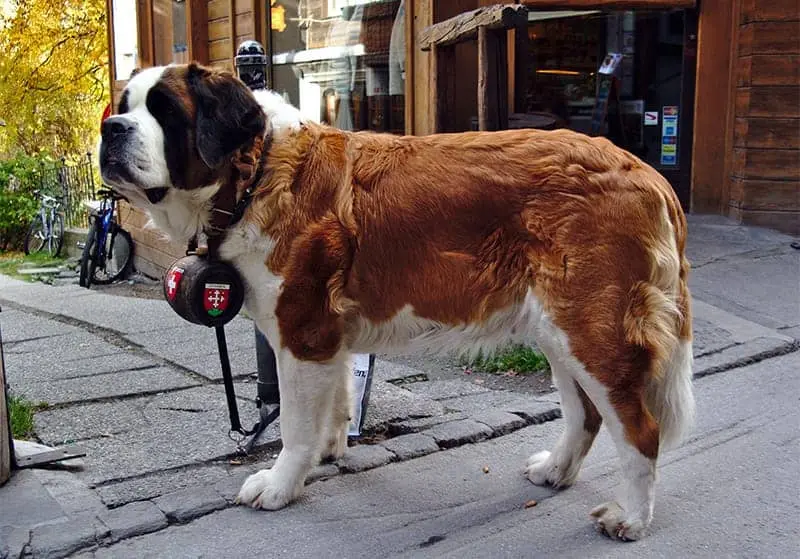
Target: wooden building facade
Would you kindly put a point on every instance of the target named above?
(707, 91)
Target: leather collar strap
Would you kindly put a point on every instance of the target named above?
(227, 212)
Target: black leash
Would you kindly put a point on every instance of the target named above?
(233, 408)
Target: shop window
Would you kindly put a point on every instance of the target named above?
(169, 32)
(126, 47)
(637, 104)
(342, 62)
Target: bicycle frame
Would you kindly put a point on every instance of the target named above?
(105, 215)
(47, 211)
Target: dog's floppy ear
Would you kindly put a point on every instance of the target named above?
(228, 115)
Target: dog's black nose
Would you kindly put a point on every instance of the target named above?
(115, 126)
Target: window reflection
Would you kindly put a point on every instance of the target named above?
(169, 31)
(125, 38)
(342, 62)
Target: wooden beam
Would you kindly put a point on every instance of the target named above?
(443, 87)
(197, 32)
(232, 29)
(609, 4)
(5, 429)
(409, 66)
(112, 57)
(484, 93)
(464, 27)
(492, 79)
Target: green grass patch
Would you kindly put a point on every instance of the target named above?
(518, 359)
(12, 262)
(21, 412)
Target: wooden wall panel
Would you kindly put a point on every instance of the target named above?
(768, 102)
(769, 10)
(756, 163)
(770, 133)
(768, 69)
(759, 194)
(773, 37)
(782, 220)
(153, 252)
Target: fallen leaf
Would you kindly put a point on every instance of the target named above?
(531, 503)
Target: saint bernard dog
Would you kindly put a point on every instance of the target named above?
(358, 242)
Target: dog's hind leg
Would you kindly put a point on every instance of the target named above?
(307, 391)
(636, 436)
(560, 467)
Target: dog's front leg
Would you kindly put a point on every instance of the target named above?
(307, 397)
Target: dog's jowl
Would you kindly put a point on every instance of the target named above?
(355, 242)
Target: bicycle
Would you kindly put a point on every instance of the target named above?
(47, 228)
(108, 251)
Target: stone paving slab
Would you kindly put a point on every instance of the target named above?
(182, 506)
(455, 433)
(743, 354)
(57, 426)
(413, 445)
(113, 385)
(364, 457)
(442, 389)
(18, 326)
(60, 540)
(195, 348)
(160, 483)
(186, 427)
(389, 403)
(422, 423)
(73, 496)
(114, 361)
(13, 541)
(530, 408)
(133, 519)
(33, 503)
(500, 422)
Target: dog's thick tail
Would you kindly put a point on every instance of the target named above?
(661, 323)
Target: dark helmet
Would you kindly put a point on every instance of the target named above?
(251, 64)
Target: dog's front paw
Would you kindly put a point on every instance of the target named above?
(610, 519)
(265, 490)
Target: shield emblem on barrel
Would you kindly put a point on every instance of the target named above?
(216, 297)
(173, 280)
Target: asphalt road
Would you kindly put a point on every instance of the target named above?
(730, 491)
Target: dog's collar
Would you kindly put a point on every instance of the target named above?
(227, 211)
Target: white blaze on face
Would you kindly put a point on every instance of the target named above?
(148, 164)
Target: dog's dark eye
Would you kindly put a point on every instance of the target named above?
(164, 106)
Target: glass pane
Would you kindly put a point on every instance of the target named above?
(126, 52)
(169, 31)
(636, 104)
(342, 62)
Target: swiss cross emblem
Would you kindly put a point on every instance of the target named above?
(215, 298)
(173, 281)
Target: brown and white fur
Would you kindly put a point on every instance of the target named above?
(363, 243)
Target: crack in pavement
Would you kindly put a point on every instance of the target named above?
(787, 348)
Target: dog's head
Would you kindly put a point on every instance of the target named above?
(177, 127)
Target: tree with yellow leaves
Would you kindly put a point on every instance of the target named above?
(53, 76)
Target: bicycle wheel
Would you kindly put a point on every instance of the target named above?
(56, 235)
(35, 238)
(88, 257)
(119, 257)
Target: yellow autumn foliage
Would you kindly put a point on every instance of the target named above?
(53, 76)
